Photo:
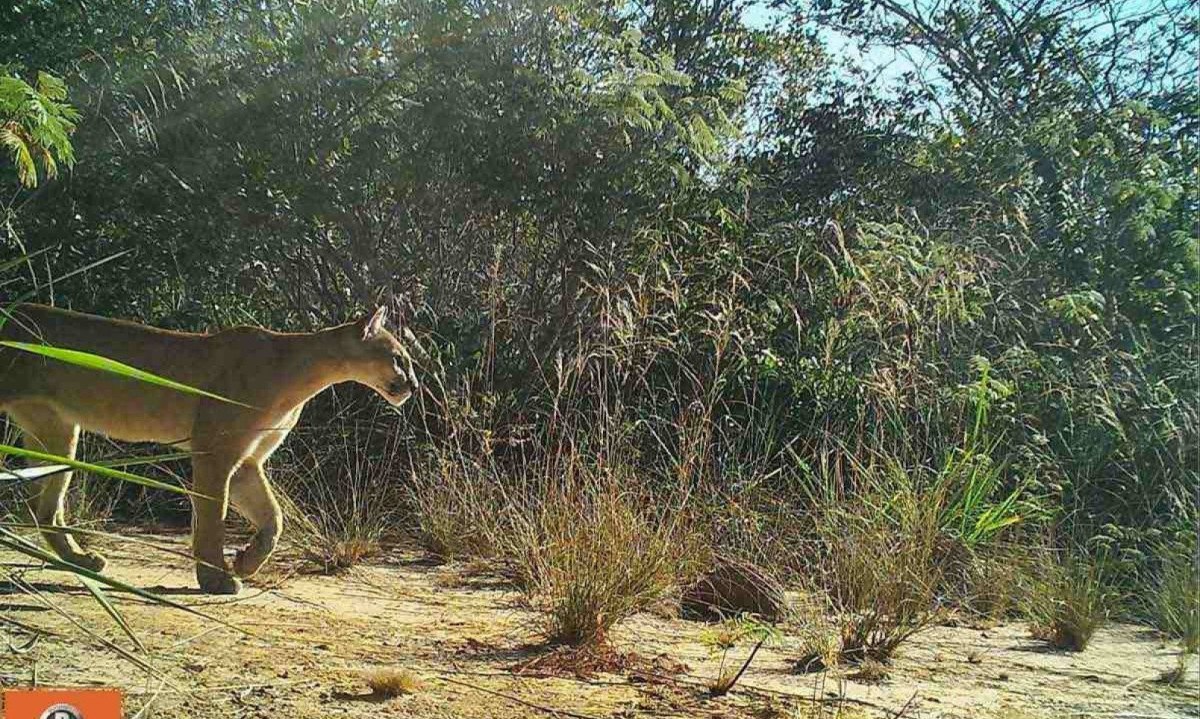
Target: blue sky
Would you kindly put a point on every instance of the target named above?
(891, 65)
(887, 61)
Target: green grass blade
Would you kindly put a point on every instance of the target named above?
(32, 474)
(151, 459)
(103, 364)
(93, 468)
(97, 592)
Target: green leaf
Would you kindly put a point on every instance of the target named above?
(98, 592)
(94, 468)
(26, 171)
(51, 86)
(30, 474)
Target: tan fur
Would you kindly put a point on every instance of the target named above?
(272, 372)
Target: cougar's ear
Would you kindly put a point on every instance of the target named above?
(373, 325)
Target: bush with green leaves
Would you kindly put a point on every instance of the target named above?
(717, 234)
(35, 126)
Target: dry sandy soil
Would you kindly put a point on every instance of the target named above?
(303, 642)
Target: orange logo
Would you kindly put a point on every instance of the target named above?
(61, 703)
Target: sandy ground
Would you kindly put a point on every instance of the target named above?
(300, 643)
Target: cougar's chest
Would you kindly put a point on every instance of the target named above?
(273, 435)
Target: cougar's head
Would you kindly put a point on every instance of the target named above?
(381, 362)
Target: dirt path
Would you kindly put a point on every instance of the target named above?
(306, 641)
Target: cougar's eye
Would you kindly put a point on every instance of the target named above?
(398, 363)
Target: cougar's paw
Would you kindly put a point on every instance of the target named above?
(247, 562)
(90, 561)
(216, 581)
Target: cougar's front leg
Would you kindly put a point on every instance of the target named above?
(210, 484)
(251, 495)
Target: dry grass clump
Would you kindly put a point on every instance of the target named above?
(871, 672)
(992, 590)
(91, 505)
(339, 490)
(330, 540)
(1068, 602)
(459, 508)
(337, 554)
(391, 682)
(819, 641)
(592, 551)
(584, 662)
(1175, 600)
(881, 571)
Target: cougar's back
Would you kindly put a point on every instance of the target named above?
(119, 407)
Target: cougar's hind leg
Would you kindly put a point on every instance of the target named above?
(43, 430)
(251, 495)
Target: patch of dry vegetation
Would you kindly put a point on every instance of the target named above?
(819, 646)
(592, 551)
(992, 592)
(339, 492)
(1068, 601)
(880, 568)
(391, 682)
(1175, 599)
(458, 507)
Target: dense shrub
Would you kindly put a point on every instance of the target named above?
(710, 237)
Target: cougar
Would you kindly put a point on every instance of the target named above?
(269, 376)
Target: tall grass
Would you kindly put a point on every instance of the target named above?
(343, 486)
(595, 548)
(460, 507)
(880, 565)
(665, 399)
(1071, 598)
(1174, 598)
